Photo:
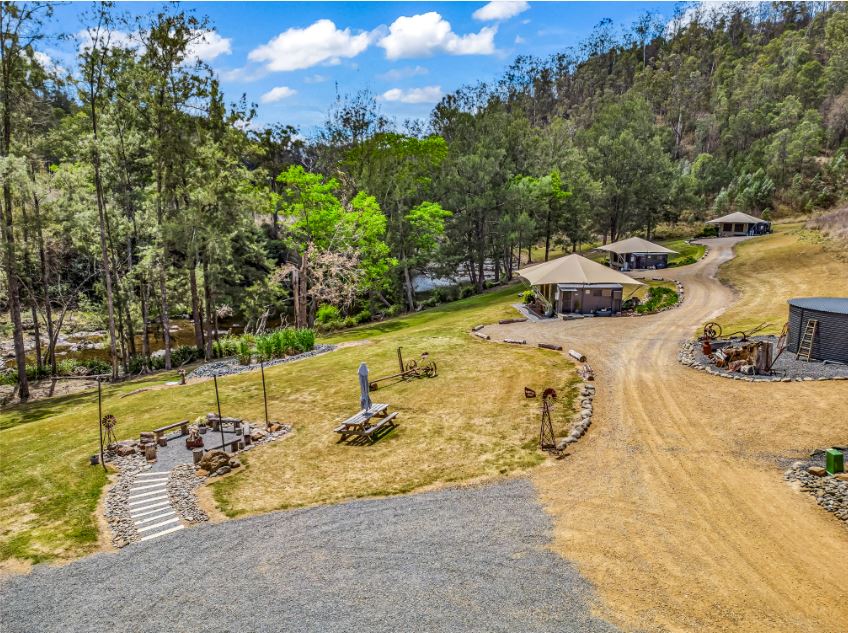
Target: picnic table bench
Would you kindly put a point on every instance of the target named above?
(367, 424)
(182, 424)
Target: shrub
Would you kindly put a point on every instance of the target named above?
(528, 296)
(466, 291)
(363, 317)
(95, 366)
(658, 297)
(135, 364)
(184, 354)
(244, 349)
(432, 302)
(684, 261)
(394, 310)
(327, 314)
(265, 346)
(304, 339)
(444, 295)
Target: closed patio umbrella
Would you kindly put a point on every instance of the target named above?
(364, 395)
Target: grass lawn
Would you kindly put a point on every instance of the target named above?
(684, 250)
(470, 422)
(769, 270)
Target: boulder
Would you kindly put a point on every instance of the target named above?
(201, 473)
(817, 471)
(213, 460)
(841, 476)
(223, 470)
(123, 450)
(234, 463)
(257, 434)
(276, 427)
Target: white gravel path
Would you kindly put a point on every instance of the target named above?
(464, 559)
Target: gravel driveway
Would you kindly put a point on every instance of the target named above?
(466, 559)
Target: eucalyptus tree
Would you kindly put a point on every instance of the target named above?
(174, 84)
(21, 27)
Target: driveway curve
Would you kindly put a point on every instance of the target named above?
(674, 504)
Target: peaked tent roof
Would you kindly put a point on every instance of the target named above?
(635, 245)
(737, 218)
(574, 269)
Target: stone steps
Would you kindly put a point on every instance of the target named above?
(150, 507)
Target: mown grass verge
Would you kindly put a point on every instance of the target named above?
(769, 270)
(470, 422)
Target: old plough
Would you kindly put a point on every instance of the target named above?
(423, 367)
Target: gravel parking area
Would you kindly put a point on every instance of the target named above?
(465, 559)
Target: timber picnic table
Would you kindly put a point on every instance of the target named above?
(367, 423)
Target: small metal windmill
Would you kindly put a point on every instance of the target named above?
(547, 441)
(109, 422)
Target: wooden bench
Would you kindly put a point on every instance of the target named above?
(182, 424)
(234, 444)
(367, 424)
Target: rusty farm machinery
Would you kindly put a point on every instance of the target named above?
(737, 353)
(422, 367)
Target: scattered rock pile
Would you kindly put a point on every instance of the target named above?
(830, 491)
(216, 463)
(181, 491)
(227, 366)
(117, 509)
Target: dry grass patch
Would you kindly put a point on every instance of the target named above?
(768, 271)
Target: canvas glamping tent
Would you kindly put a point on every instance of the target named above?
(574, 284)
(740, 224)
(634, 253)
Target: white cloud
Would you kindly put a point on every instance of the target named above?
(315, 79)
(120, 39)
(519, 39)
(500, 10)
(319, 43)
(427, 94)
(396, 74)
(277, 94)
(209, 46)
(425, 34)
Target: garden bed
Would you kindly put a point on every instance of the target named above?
(228, 366)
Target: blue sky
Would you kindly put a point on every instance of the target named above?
(291, 57)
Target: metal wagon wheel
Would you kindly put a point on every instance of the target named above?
(712, 330)
(428, 368)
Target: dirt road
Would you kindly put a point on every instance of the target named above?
(674, 503)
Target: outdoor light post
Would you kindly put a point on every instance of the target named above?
(100, 421)
(218, 403)
(264, 393)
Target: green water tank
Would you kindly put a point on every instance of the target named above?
(835, 461)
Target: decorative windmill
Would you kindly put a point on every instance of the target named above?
(109, 422)
(547, 441)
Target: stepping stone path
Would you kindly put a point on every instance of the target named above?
(150, 507)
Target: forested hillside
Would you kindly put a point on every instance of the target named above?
(134, 189)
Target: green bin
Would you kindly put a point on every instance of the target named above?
(835, 461)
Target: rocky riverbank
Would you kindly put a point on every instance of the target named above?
(228, 366)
